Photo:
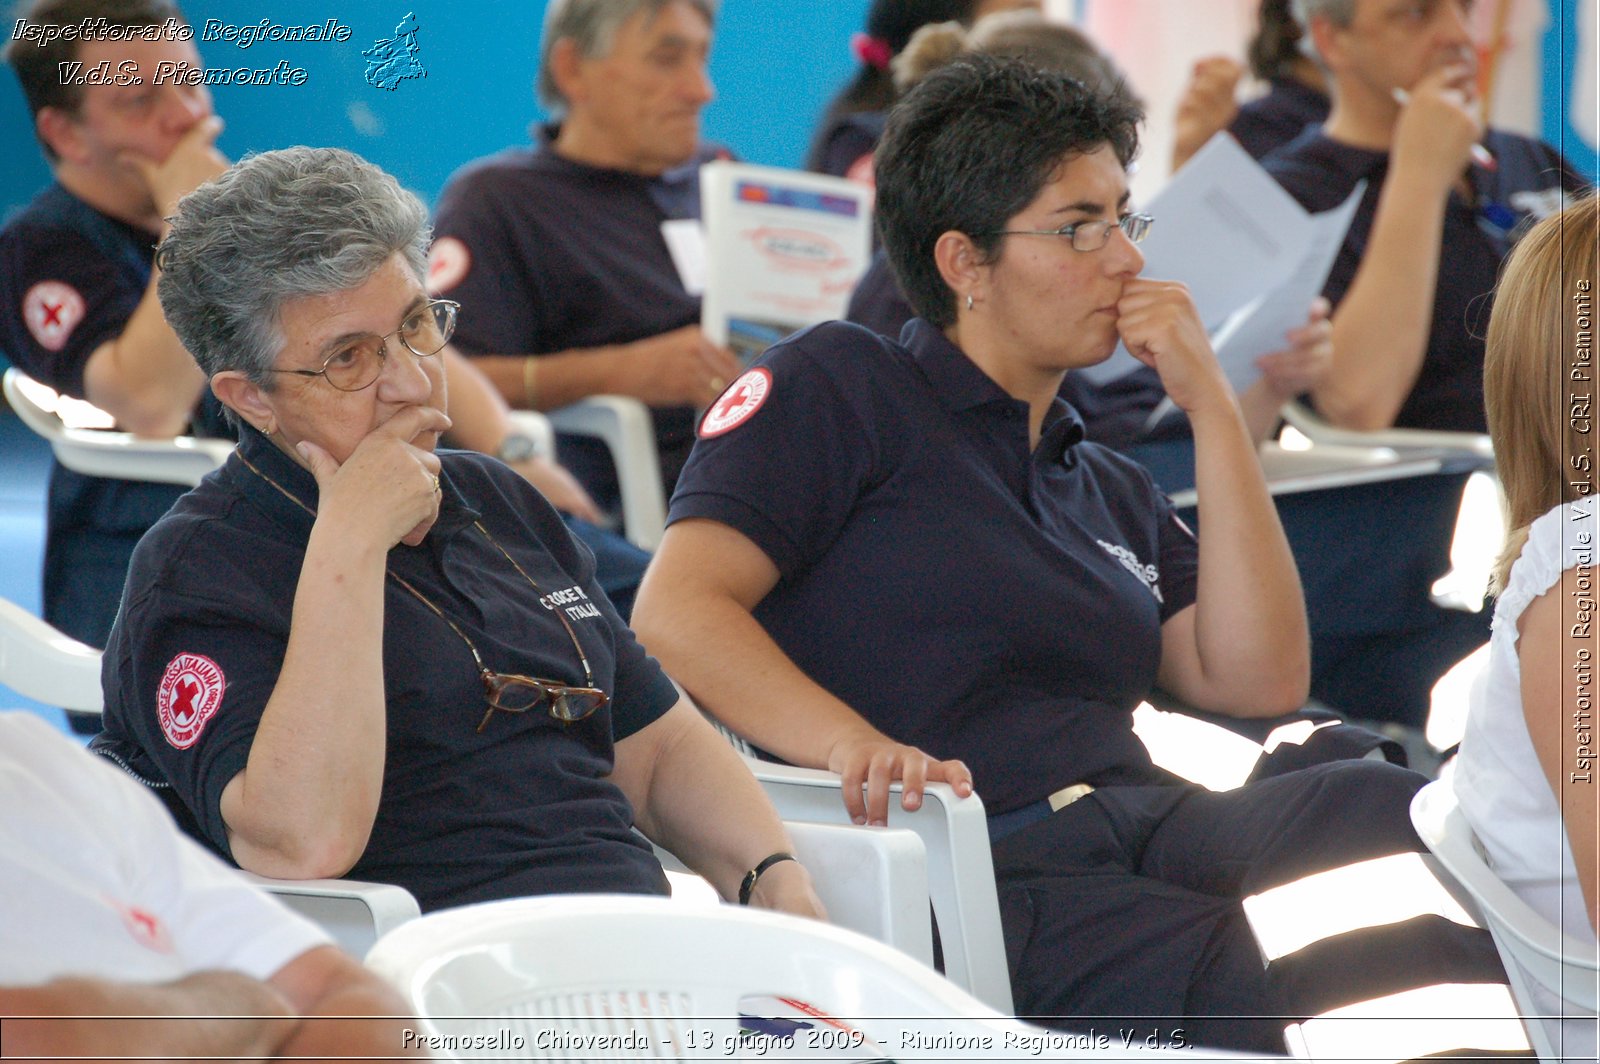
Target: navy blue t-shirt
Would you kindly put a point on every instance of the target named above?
(964, 593)
(545, 254)
(1478, 234)
(70, 278)
(525, 807)
(1280, 116)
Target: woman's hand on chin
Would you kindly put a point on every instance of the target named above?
(388, 487)
(1161, 328)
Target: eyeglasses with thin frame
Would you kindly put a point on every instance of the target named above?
(1091, 236)
(357, 363)
(514, 693)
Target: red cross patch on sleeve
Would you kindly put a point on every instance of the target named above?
(52, 309)
(737, 404)
(448, 263)
(190, 692)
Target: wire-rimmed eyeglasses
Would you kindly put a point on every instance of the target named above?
(358, 362)
(1091, 236)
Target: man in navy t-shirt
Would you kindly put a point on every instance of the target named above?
(1411, 290)
(573, 260)
(76, 284)
(81, 315)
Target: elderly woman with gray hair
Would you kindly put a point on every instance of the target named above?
(348, 652)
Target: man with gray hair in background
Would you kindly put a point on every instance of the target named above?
(574, 259)
(1408, 335)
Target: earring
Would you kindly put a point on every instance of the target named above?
(969, 300)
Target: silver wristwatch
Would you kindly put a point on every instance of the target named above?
(517, 447)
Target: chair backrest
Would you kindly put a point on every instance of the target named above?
(1535, 951)
(626, 428)
(574, 977)
(961, 886)
(100, 452)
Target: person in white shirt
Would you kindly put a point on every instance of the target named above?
(1526, 778)
(110, 912)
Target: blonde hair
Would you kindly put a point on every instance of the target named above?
(1539, 372)
(1025, 35)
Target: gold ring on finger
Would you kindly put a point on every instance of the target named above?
(437, 490)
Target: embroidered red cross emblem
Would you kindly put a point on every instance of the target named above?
(52, 309)
(737, 396)
(183, 703)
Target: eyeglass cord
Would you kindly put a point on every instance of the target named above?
(420, 597)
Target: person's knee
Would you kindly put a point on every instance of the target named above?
(1369, 797)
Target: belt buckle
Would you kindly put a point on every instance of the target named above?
(1059, 800)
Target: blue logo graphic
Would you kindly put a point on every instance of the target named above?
(389, 62)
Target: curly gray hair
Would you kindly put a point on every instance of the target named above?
(275, 227)
(592, 25)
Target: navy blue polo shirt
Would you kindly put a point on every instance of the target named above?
(545, 254)
(1113, 414)
(70, 278)
(1478, 234)
(525, 807)
(1275, 119)
(963, 592)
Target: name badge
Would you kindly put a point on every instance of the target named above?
(686, 240)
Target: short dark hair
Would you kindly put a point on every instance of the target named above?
(972, 145)
(38, 64)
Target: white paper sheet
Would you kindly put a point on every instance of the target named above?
(1260, 327)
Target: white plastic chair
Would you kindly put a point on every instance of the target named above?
(69, 426)
(1535, 952)
(38, 662)
(624, 425)
(873, 881)
(1325, 465)
(356, 913)
(576, 977)
(1466, 450)
(961, 886)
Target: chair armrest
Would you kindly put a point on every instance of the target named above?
(355, 913)
(182, 460)
(961, 883)
(1474, 446)
(40, 663)
(86, 444)
(1324, 466)
(625, 426)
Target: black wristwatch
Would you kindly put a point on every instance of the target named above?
(517, 447)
